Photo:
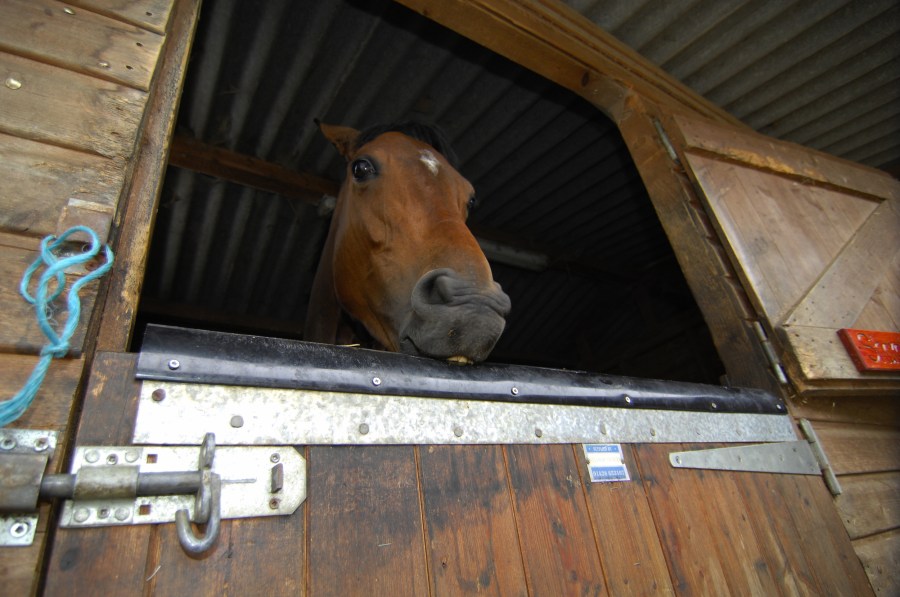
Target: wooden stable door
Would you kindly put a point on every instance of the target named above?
(815, 241)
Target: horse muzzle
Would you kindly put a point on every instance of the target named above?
(454, 318)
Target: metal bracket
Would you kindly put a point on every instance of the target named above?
(24, 454)
(802, 457)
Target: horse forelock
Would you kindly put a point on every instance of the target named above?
(425, 133)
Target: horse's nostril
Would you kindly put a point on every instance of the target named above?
(434, 288)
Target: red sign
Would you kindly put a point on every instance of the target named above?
(872, 351)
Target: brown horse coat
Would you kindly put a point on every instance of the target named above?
(399, 257)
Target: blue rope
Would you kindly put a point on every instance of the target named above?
(58, 345)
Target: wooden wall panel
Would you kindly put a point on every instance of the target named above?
(65, 108)
(870, 504)
(80, 40)
(465, 487)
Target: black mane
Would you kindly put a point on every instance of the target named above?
(421, 132)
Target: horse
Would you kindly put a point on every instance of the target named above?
(399, 258)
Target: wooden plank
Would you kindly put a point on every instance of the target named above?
(633, 559)
(79, 40)
(260, 556)
(842, 292)
(111, 560)
(706, 528)
(64, 108)
(195, 155)
(870, 504)
(365, 522)
(472, 541)
(820, 366)
(152, 15)
(142, 196)
(19, 329)
(39, 179)
(781, 234)
(556, 537)
(854, 449)
(881, 557)
(51, 409)
(742, 145)
(558, 43)
(719, 294)
(883, 409)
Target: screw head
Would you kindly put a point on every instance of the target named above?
(274, 503)
(41, 444)
(237, 421)
(457, 431)
(112, 459)
(121, 514)
(81, 515)
(13, 83)
(92, 456)
(376, 381)
(7, 443)
(627, 399)
(363, 428)
(174, 364)
(538, 432)
(275, 457)
(158, 395)
(19, 529)
(514, 391)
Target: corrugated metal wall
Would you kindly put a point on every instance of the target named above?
(551, 172)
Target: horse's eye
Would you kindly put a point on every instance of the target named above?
(363, 170)
(473, 202)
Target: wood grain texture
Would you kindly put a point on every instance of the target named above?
(780, 233)
(555, 532)
(722, 300)
(633, 559)
(365, 528)
(760, 151)
(854, 449)
(698, 533)
(881, 557)
(82, 558)
(152, 15)
(39, 180)
(465, 487)
(870, 504)
(83, 41)
(135, 225)
(69, 109)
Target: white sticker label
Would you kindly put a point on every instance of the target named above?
(606, 463)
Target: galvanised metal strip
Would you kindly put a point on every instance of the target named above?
(181, 413)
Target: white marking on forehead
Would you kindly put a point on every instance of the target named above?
(427, 158)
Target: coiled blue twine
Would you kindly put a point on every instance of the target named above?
(58, 345)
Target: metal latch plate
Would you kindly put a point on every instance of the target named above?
(256, 481)
(37, 445)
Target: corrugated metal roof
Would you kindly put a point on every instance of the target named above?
(824, 73)
(552, 173)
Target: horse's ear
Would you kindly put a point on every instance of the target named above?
(342, 137)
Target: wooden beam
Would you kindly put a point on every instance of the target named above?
(248, 171)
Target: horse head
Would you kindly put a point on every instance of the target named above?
(399, 258)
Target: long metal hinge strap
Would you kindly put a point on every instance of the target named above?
(831, 479)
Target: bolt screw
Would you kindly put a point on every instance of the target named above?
(19, 529)
(457, 431)
(275, 457)
(41, 444)
(13, 83)
(92, 456)
(7, 443)
(627, 399)
(122, 514)
(81, 514)
(274, 503)
(363, 428)
(376, 381)
(158, 395)
(237, 421)
(538, 432)
(112, 459)
(132, 455)
(174, 364)
(68, 11)
(514, 390)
